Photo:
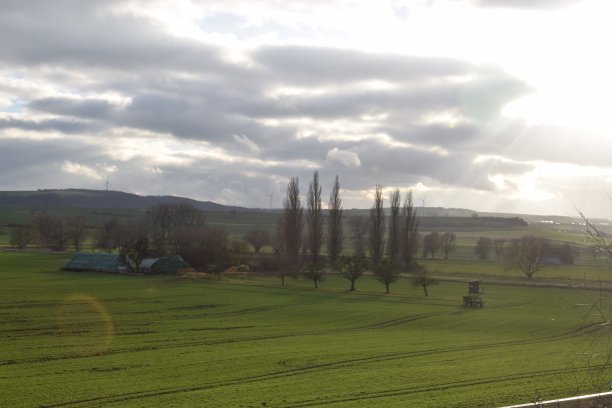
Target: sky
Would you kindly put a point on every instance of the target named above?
(491, 105)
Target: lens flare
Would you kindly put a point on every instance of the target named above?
(85, 324)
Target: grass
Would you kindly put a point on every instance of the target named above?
(584, 270)
(88, 339)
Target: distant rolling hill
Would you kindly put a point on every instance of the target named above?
(17, 206)
(95, 199)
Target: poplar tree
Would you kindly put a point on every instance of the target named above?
(393, 241)
(410, 232)
(314, 219)
(335, 234)
(377, 227)
(291, 222)
(314, 237)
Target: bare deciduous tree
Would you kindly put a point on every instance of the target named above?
(257, 238)
(44, 229)
(283, 267)
(448, 242)
(160, 226)
(526, 254)
(133, 241)
(59, 235)
(20, 236)
(599, 238)
(353, 267)
(377, 227)
(431, 244)
(49, 231)
(205, 248)
(499, 245)
(386, 273)
(75, 228)
(359, 234)
(483, 247)
(314, 272)
(188, 243)
(108, 235)
(238, 251)
(335, 234)
(423, 279)
(163, 220)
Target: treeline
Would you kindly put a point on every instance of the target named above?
(474, 222)
(307, 239)
(165, 229)
(51, 232)
(528, 253)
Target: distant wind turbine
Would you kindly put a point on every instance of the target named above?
(423, 201)
(107, 182)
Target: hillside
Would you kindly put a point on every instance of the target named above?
(16, 207)
(96, 199)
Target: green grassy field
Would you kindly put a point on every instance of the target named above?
(87, 339)
(584, 270)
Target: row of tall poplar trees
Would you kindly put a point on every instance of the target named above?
(293, 236)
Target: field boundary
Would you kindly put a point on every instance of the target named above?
(603, 399)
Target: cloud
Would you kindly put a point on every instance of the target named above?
(80, 170)
(78, 34)
(244, 141)
(81, 108)
(325, 65)
(343, 157)
(229, 112)
(526, 4)
(62, 125)
(334, 128)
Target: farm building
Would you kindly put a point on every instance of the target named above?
(166, 266)
(100, 263)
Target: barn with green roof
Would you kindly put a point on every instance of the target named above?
(99, 262)
(166, 265)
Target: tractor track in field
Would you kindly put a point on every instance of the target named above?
(412, 318)
(379, 325)
(436, 387)
(344, 364)
(49, 330)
